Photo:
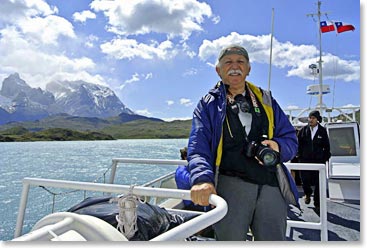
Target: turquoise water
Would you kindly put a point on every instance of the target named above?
(71, 160)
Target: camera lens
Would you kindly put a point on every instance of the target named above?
(265, 154)
(268, 156)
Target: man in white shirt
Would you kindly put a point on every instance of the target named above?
(313, 147)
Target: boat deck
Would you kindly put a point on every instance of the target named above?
(343, 221)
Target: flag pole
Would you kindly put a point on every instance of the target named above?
(319, 14)
(271, 46)
(320, 59)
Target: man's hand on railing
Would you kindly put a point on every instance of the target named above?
(200, 193)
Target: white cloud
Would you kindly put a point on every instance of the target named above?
(333, 68)
(144, 112)
(134, 78)
(90, 41)
(48, 29)
(210, 64)
(29, 44)
(257, 46)
(296, 58)
(170, 102)
(190, 72)
(186, 102)
(177, 119)
(13, 10)
(188, 50)
(148, 76)
(83, 16)
(75, 76)
(216, 19)
(129, 49)
(36, 20)
(172, 17)
(37, 66)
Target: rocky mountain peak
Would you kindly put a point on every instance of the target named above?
(12, 85)
(77, 98)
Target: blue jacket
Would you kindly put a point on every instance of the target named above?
(204, 148)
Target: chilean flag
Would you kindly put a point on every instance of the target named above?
(340, 27)
(326, 26)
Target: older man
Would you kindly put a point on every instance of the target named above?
(238, 141)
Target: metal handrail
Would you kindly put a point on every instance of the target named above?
(322, 225)
(300, 112)
(178, 233)
(116, 161)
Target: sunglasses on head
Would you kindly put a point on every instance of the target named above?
(240, 103)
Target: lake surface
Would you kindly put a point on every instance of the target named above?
(71, 160)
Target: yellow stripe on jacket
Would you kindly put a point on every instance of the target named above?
(265, 101)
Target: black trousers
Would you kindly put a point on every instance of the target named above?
(309, 179)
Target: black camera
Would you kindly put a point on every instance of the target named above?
(265, 154)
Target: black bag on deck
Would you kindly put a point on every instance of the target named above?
(151, 219)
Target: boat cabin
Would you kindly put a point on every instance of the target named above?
(343, 170)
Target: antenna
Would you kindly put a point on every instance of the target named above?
(319, 14)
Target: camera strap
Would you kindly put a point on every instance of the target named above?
(253, 100)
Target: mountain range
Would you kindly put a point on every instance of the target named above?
(20, 102)
(65, 108)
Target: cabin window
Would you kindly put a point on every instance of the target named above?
(342, 141)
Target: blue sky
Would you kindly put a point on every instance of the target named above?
(159, 56)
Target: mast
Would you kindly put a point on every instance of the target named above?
(320, 58)
(319, 14)
(271, 46)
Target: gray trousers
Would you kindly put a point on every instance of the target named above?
(261, 208)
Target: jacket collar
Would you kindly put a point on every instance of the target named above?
(219, 89)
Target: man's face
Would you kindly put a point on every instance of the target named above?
(233, 69)
(312, 121)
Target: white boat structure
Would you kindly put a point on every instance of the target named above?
(68, 226)
(343, 168)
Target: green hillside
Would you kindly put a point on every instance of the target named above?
(145, 129)
(60, 121)
(51, 134)
(83, 129)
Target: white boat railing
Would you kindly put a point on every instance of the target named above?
(116, 161)
(179, 194)
(322, 224)
(178, 233)
(295, 114)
